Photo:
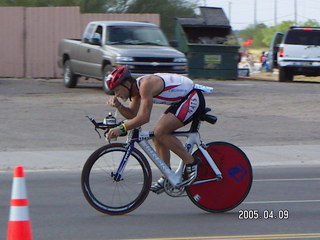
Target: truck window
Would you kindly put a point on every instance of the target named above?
(136, 35)
(303, 37)
(97, 36)
(278, 40)
(88, 33)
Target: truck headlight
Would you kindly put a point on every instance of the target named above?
(124, 59)
(180, 60)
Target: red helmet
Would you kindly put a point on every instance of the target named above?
(118, 76)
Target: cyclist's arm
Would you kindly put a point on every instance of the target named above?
(149, 87)
(127, 112)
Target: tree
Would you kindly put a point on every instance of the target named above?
(104, 6)
(253, 32)
(311, 23)
(93, 6)
(262, 35)
(168, 10)
(39, 3)
(267, 34)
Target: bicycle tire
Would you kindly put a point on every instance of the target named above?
(115, 197)
(232, 189)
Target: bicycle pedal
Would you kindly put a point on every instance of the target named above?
(159, 191)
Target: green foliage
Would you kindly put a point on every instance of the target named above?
(311, 23)
(253, 32)
(39, 3)
(93, 6)
(262, 35)
(267, 34)
(168, 10)
(104, 6)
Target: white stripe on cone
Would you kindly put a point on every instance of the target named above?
(19, 188)
(19, 214)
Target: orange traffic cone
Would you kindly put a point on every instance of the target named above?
(19, 225)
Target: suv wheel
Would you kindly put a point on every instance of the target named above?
(285, 75)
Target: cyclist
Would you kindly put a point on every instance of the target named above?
(175, 90)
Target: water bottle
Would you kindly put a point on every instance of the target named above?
(110, 120)
(203, 88)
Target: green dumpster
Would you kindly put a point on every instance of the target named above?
(210, 45)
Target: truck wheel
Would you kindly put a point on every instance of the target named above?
(70, 79)
(285, 75)
(106, 71)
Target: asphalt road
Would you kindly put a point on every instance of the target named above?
(59, 211)
(277, 124)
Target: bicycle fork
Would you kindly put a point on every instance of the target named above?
(118, 175)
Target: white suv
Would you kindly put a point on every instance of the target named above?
(297, 52)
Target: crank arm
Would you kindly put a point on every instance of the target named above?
(207, 180)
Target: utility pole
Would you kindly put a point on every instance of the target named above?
(275, 12)
(295, 12)
(255, 13)
(229, 9)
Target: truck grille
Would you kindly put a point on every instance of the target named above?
(147, 65)
(143, 69)
(148, 59)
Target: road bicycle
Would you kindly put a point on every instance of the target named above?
(116, 178)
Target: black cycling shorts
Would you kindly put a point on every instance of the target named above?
(189, 107)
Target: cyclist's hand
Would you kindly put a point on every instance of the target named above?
(113, 102)
(113, 133)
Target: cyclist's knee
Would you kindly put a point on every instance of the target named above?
(158, 133)
(161, 135)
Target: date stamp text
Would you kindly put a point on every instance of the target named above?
(254, 214)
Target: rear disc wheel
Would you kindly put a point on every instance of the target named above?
(232, 189)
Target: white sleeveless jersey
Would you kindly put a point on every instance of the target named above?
(176, 87)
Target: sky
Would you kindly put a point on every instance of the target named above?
(241, 13)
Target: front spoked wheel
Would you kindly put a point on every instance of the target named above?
(115, 195)
(232, 189)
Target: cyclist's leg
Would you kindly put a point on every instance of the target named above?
(162, 151)
(175, 117)
(165, 141)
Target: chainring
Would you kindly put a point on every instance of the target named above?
(171, 190)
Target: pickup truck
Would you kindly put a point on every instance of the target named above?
(107, 45)
(296, 52)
